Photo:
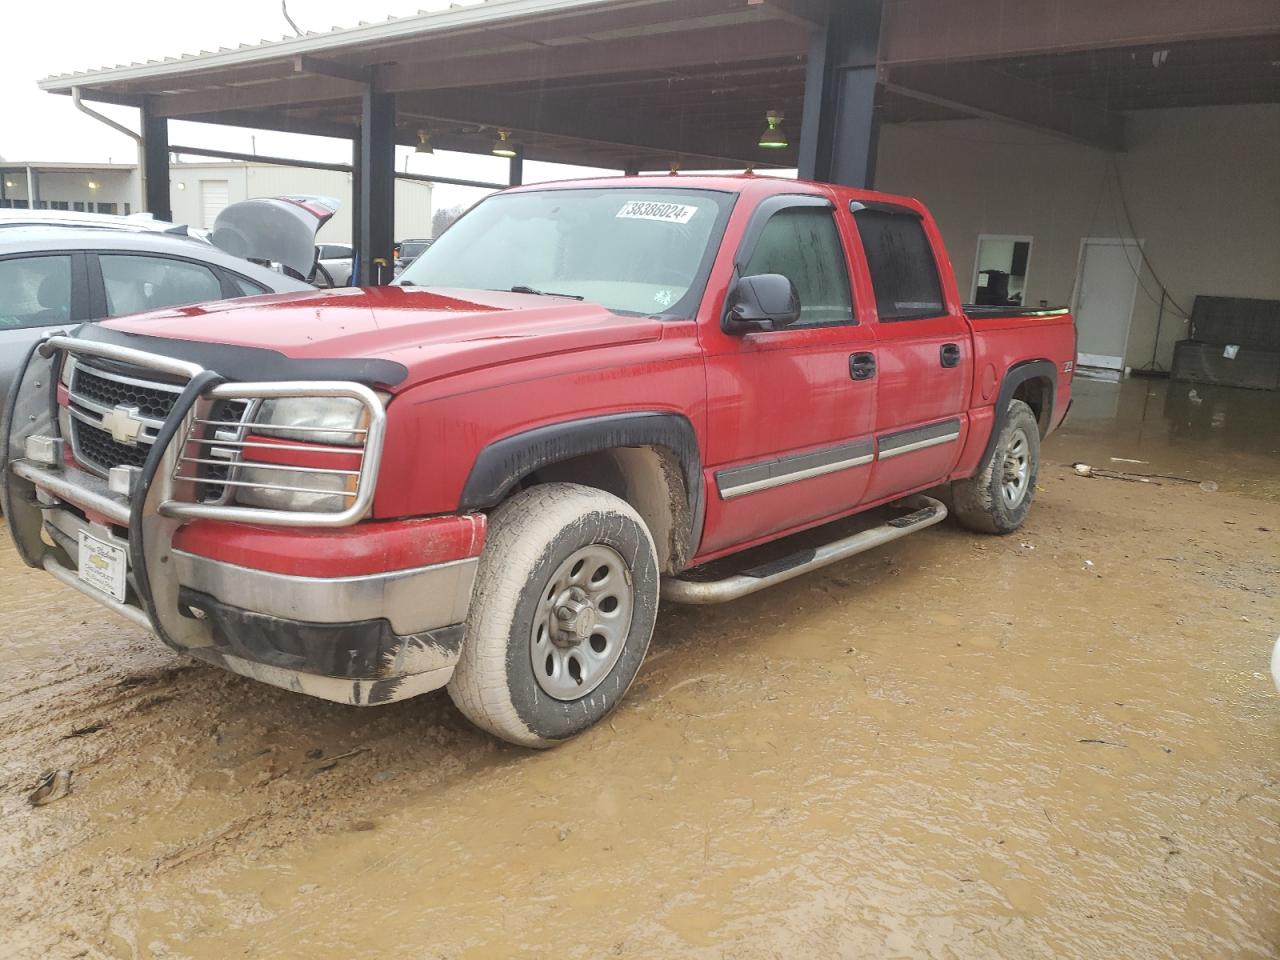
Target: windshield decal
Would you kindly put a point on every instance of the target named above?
(662, 212)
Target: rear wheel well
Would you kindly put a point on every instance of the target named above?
(1037, 393)
(647, 477)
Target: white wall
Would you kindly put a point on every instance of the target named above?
(1202, 187)
(118, 185)
(248, 180)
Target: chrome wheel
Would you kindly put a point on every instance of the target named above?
(582, 622)
(1015, 475)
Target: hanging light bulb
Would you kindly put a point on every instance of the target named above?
(424, 143)
(503, 147)
(773, 138)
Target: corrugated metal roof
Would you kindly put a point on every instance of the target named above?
(456, 16)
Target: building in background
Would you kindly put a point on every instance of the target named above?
(84, 187)
(200, 190)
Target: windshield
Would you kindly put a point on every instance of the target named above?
(631, 249)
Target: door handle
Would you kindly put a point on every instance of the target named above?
(862, 366)
(949, 355)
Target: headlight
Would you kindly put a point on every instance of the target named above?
(325, 479)
(294, 489)
(335, 420)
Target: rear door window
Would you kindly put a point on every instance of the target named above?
(803, 245)
(35, 291)
(135, 283)
(903, 270)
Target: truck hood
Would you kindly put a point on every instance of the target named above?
(432, 333)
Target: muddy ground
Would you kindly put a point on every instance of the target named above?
(1061, 743)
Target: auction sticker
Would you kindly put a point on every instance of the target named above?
(102, 565)
(662, 212)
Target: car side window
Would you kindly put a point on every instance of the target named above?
(246, 288)
(136, 282)
(35, 291)
(803, 245)
(900, 258)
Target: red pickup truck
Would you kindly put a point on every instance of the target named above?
(486, 476)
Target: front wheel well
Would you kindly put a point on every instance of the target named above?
(649, 478)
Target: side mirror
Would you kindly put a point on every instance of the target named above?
(767, 301)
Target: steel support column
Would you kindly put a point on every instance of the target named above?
(515, 176)
(375, 172)
(155, 165)
(33, 188)
(840, 130)
(357, 276)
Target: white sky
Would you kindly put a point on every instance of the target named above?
(39, 39)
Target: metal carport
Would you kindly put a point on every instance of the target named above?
(643, 84)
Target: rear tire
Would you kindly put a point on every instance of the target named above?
(997, 498)
(563, 609)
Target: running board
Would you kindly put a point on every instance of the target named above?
(925, 512)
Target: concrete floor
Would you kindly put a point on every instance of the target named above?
(1060, 743)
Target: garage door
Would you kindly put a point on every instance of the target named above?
(214, 196)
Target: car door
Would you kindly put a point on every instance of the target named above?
(39, 292)
(924, 350)
(791, 411)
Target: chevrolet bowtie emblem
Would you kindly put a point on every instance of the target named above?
(124, 424)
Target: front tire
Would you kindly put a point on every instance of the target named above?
(998, 497)
(563, 609)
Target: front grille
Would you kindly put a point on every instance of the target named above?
(96, 447)
(153, 402)
(220, 446)
(97, 392)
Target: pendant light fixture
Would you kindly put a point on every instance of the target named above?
(503, 147)
(774, 137)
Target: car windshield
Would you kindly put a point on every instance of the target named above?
(637, 250)
(413, 248)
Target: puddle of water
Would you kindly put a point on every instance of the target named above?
(1226, 435)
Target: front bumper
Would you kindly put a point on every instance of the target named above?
(362, 639)
(364, 614)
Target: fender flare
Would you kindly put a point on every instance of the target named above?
(500, 465)
(1014, 377)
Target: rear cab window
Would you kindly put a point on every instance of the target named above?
(904, 272)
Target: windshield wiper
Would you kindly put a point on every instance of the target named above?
(543, 293)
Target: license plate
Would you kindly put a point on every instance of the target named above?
(103, 565)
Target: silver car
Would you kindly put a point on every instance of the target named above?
(56, 276)
(337, 260)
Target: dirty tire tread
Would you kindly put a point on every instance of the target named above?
(522, 531)
(978, 504)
